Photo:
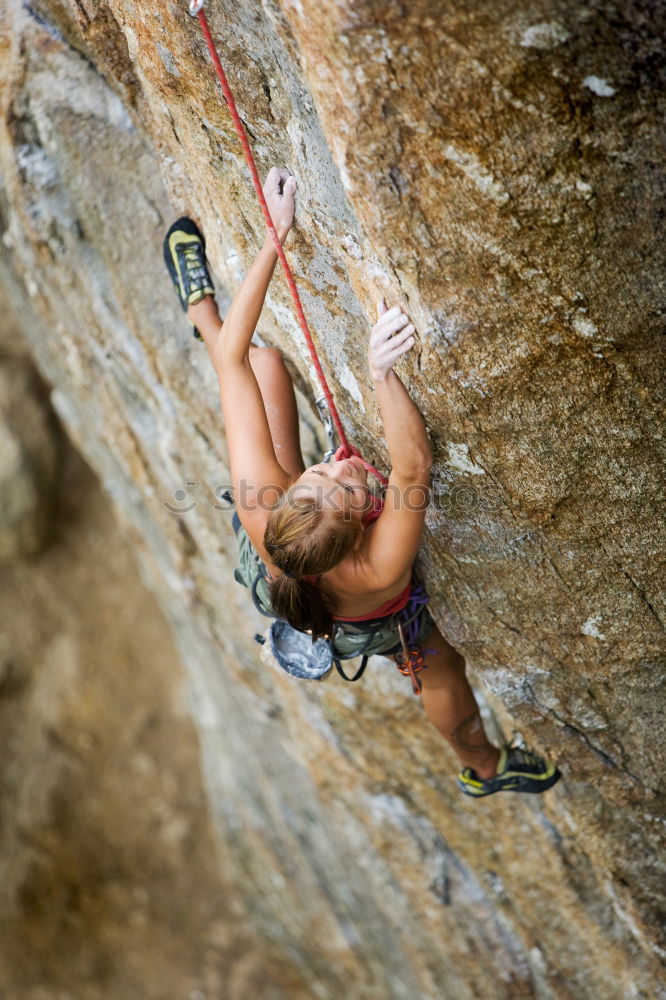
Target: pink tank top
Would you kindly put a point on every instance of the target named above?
(387, 608)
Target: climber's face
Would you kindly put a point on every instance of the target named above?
(341, 485)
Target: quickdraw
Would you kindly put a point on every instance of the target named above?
(410, 661)
(327, 420)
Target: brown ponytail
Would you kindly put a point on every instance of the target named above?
(305, 539)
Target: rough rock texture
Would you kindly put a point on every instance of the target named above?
(495, 167)
(28, 462)
(110, 885)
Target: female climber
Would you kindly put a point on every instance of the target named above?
(329, 560)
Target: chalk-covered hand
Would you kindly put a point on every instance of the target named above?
(279, 188)
(391, 336)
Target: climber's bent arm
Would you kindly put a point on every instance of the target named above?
(396, 536)
(404, 427)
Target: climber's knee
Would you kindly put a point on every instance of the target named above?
(272, 375)
(266, 358)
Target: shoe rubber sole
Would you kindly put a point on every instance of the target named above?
(183, 230)
(511, 782)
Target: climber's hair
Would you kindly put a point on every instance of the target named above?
(305, 538)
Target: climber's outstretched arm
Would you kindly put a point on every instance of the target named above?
(253, 463)
(252, 459)
(233, 344)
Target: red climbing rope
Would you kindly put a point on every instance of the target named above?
(345, 450)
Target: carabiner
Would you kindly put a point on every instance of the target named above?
(410, 661)
(327, 420)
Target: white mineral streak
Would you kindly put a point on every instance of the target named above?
(584, 326)
(351, 245)
(348, 380)
(598, 86)
(546, 35)
(590, 628)
(459, 459)
(168, 60)
(480, 176)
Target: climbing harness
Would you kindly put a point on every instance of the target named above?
(347, 450)
(298, 655)
(295, 651)
(411, 659)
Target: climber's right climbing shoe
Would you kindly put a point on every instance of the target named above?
(185, 258)
(518, 770)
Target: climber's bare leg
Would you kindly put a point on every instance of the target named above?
(451, 706)
(277, 389)
(206, 318)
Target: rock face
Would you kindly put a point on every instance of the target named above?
(105, 828)
(28, 461)
(495, 168)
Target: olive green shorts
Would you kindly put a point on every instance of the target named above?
(379, 636)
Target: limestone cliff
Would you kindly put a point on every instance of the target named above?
(496, 168)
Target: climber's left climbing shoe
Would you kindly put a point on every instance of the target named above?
(185, 258)
(518, 770)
